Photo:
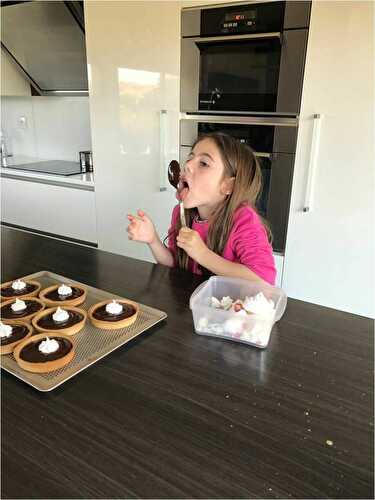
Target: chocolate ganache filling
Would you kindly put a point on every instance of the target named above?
(32, 306)
(49, 323)
(32, 354)
(18, 333)
(8, 291)
(101, 314)
(54, 294)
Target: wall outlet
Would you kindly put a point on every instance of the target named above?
(22, 122)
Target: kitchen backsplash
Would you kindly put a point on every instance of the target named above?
(46, 127)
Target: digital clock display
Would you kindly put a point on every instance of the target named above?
(248, 15)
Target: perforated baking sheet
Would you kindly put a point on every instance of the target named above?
(91, 343)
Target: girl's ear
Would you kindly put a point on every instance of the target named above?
(227, 186)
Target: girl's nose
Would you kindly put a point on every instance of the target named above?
(187, 167)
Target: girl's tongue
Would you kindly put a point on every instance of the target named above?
(182, 190)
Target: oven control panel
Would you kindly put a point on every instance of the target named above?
(254, 18)
(232, 22)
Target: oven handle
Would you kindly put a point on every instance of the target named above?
(311, 173)
(263, 155)
(243, 120)
(255, 36)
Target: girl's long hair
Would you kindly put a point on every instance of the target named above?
(241, 163)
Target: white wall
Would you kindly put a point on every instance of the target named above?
(55, 128)
(330, 251)
(12, 81)
(133, 54)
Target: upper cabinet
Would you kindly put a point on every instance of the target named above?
(46, 40)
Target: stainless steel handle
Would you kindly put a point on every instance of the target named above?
(255, 36)
(162, 151)
(263, 155)
(244, 120)
(311, 173)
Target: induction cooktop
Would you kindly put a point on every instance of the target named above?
(56, 167)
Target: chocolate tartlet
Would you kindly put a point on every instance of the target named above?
(7, 292)
(73, 324)
(51, 296)
(31, 359)
(33, 307)
(20, 332)
(100, 318)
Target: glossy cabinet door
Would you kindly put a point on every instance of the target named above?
(133, 54)
(58, 210)
(330, 251)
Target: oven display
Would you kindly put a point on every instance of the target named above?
(235, 20)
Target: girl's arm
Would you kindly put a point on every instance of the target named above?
(142, 229)
(162, 254)
(190, 241)
(223, 267)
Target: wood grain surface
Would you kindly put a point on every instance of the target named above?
(176, 415)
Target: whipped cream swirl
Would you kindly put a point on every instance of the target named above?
(5, 330)
(64, 290)
(114, 307)
(259, 304)
(60, 315)
(48, 346)
(18, 285)
(18, 305)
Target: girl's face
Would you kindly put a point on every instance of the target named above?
(202, 177)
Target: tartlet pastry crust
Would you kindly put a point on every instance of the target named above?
(23, 318)
(34, 293)
(9, 348)
(47, 366)
(67, 330)
(113, 325)
(68, 302)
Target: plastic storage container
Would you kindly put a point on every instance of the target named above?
(253, 329)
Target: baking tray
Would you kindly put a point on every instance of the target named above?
(91, 343)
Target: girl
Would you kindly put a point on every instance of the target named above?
(219, 185)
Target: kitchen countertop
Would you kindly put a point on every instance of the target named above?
(176, 415)
(78, 181)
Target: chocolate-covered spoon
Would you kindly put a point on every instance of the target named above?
(174, 178)
(174, 173)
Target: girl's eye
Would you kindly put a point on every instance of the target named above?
(203, 163)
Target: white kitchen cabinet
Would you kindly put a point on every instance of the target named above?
(133, 55)
(60, 210)
(329, 257)
(279, 264)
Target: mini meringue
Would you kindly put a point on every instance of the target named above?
(5, 330)
(48, 346)
(60, 315)
(64, 290)
(114, 307)
(18, 285)
(259, 304)
(18, 305)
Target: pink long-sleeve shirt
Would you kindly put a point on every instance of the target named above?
(247, 243)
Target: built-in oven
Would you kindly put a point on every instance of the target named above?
(274, 140)
(244, 58)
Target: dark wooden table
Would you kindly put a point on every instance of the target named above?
(175, 415)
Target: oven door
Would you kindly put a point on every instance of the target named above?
(255, 73)
(274, 145)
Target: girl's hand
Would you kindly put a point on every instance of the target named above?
(190, 241)
(141, 228)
